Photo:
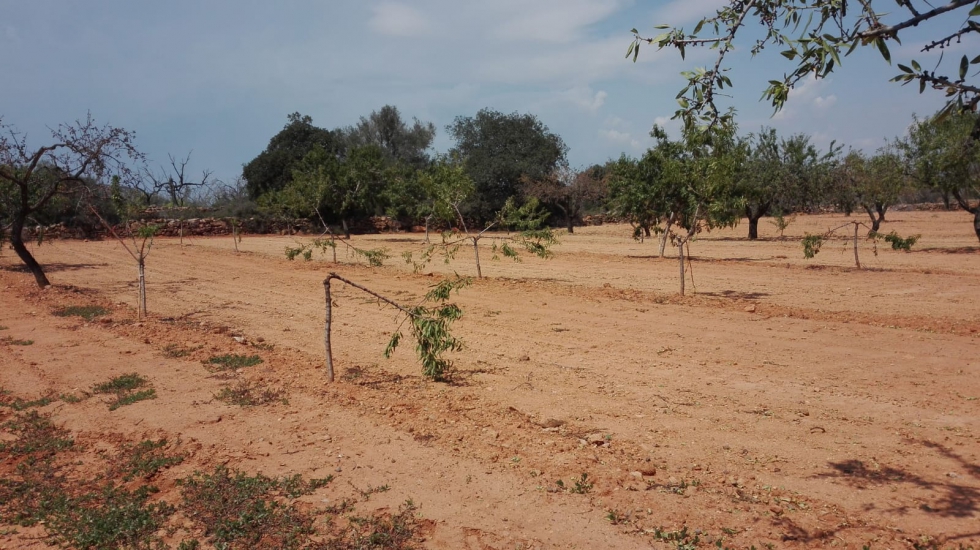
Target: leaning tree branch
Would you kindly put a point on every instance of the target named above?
(892, 30)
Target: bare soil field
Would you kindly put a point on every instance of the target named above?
(784, 403)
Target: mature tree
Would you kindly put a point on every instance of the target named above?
(944, 154)
(644, 193)
(499, 149)
(175, 181)
(399, 142)
(814, 35)
(568, 190)
(764, 179)
(78, 155)
(335, 188)
(272, 169)
(875, 183)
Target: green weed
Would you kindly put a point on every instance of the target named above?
(249, 394)
(127, 398)
(125, 382)
(15, 341)
(231, 361)
(85, 312)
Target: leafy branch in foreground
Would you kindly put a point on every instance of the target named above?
(375, 257)
(813, 243)
(430, 325)
(814, 35)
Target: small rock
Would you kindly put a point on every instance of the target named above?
(596, 439)
(776, 510)
(750, 309)
(673, 482)
(259, 339)
(637, 474)
(552, 423)
(524, 358)
(239, 339)
(648, 471)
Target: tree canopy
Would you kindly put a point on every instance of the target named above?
(498, 150)
(272, 169)
(814, 35)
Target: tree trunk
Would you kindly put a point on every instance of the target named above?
(428, 219)
(875, 219)
(666, 234)
(857, 261)
(753, 228)
(946, 201)
(976, 221)
(571, 223)
(343, 222)
(476, 253)
(646, 230)
(326, 330)
(141, 306)
(680, 257)
(17, 241)
(881, 208)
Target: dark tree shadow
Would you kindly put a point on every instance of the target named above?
(957, 250)
(56, 267)
(735, 294)
(953, 498)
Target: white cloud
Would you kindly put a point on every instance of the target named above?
(557, 21)
(396, 19)
(680, 12)
(584, 97)
(821, 102)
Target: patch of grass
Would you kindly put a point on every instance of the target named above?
(128, 398)
(122, 383)
(15, 341)
(581, 486)
(231, 361)
(19, 404)
(249, 394)
(111, 518)
(124, 387)
(401, 531)
(36, 435)
(147, 458)
(175, 352)
(85, 312)
(242, 511)
(71, 398)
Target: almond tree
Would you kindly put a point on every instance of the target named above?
(79, 155)
(815, 36)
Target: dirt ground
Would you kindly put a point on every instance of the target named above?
(786, 402)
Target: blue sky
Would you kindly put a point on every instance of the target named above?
(219, 77)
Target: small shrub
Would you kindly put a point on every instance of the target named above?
(231, 361)
(242, 511)
(249, 394)
(111, 518)
(898, 243)
(15, 341)
(128, 398)
(124, 387)
(21, 405)
(176, 352)
(85, 312)
(36, 435)
(147, 458)
(125, 382)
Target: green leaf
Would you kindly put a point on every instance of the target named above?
(975, 60)
(975, 11)
(883, 48)
(789, 54)
(629, 51)
(917, 67)
(905, 68)
(964, 66)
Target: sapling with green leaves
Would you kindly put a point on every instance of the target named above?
(430, 325)
(450, 187)
(142, 242)
(813, 243)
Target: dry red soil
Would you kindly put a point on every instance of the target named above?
(799, 403)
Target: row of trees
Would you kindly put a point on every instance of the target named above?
(769, 175)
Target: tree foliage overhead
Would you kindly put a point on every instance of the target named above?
(814, 35)
(398, 141)
(498, 150)
(944, 155)
(272, 169)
